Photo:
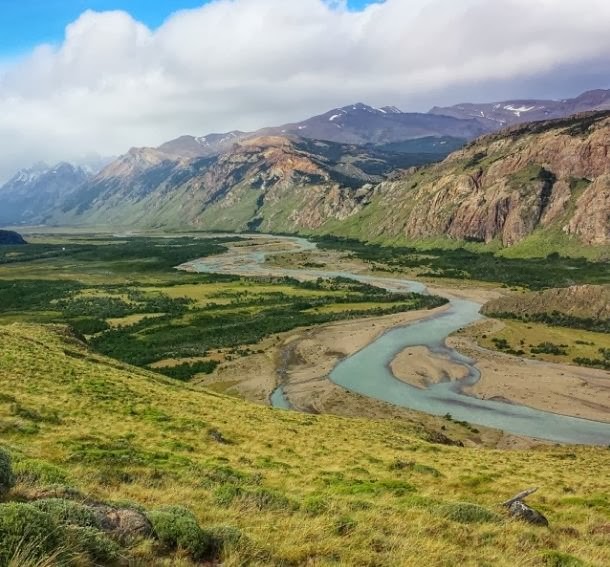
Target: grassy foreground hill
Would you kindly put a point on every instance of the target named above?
(303, 489)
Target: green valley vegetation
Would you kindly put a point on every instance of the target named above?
(125, 296)
(569, 324)
(465, 264)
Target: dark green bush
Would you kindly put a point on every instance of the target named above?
(67, 512)
(466, 513)
(7, 479)
(225, 494)
(100, 549)
(177, 528)
(24, 526)
(554, 558)
(33, 471)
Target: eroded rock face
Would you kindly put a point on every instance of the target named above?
(553, 176)
(591, 220)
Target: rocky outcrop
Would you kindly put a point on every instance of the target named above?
(519, 510)
(522, 511)
(590, 222)
(125, 524)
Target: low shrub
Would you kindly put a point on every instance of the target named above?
(225, 538)
(177, 528)
(23, 526)
(67, 512)
(399, 465)
(466, 513)
(553, 558)
(315, 505)
(99, 548)
(266, 499)
(33, 471)
(225, 494)
(344, 525)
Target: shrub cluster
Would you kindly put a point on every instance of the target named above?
(68, 532)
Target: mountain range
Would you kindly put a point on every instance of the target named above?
(512, 112)
(358, 171)
(31, 193)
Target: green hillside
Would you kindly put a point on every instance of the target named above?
(303, 489)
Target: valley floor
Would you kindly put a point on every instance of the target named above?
(302, 361)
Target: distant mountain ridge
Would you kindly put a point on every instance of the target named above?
(258, 178)
(495, 115)
(32, 193)
(358, 123)
(503, 187)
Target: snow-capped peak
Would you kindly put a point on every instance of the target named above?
(519, 109)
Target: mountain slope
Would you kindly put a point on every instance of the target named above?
(32, 193)
(498, 114)
(549, 180)
(353, 124)
(304, 489)
(260, 183)
(362, 124)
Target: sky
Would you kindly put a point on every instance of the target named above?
(83, 76)
(26, 23)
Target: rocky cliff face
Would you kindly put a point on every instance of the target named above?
(552, 176)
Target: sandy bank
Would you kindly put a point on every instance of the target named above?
(420, 367)
(559, 388)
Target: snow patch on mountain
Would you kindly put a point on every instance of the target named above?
(519, 109)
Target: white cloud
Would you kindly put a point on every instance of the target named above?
(113, 83)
